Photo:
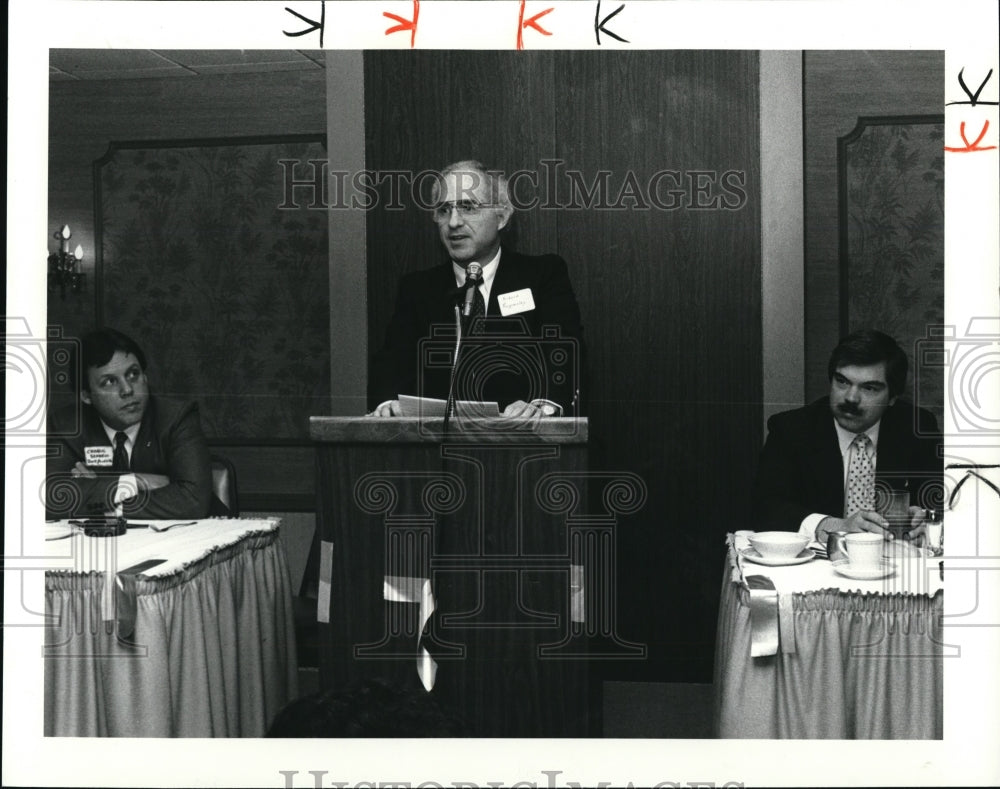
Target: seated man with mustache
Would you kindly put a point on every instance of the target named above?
(803, 476)
(124, 448)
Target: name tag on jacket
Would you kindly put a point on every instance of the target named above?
(98, 456)
(516, 301)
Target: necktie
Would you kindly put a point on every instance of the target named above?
(120, 460)
(478, 313)
(860, 493)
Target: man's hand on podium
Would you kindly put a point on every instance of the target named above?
(539, 408)
(519, 409)
(388, 408)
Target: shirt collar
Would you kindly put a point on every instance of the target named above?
(846, 437)
(131, 432)
(489, 272)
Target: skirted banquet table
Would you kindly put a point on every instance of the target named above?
(201, 644)
(803, 652)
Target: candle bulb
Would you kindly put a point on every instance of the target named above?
(65, 266)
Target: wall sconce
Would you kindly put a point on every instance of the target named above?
(64, 266)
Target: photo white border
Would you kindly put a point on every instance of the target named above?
(967, 32)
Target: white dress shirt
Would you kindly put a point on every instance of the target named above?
(489, 272)
(127, 485)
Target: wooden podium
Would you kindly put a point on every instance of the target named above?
(452, 562)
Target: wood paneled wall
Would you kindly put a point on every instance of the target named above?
(838, 88)
(670, 296)
(426, 109)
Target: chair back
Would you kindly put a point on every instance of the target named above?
(225, 496)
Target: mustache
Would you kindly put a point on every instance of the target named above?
(849, 408)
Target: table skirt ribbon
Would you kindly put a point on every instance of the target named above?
(403, 589)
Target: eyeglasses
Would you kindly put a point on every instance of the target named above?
(466, 209)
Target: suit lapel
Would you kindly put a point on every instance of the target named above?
(504, 281)
(439, 299)
(827, 461)
(891, 459)
(142, 451)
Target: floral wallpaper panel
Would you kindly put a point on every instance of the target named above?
(895, 241)
(226, 291)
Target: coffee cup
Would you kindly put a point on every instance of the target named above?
(835, 546)
(863, 549)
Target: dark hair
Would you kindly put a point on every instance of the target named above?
(99, 346)
(869, 346)
(366, 708)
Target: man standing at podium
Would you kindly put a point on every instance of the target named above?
(523, 341)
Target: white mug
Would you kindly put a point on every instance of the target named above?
(864, 549)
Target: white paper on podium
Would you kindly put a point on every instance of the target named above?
(430, 406)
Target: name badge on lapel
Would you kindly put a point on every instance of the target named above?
(516, 301)
(99, 456)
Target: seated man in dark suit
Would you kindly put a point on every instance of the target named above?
(822, 465)
(515, 354)
(132, 452)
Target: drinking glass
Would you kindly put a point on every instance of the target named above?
(895, 508)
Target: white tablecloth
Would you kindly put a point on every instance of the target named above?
(210, 650)
(856, 659)
(180, 546)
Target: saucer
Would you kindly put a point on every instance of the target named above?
(751, 555)
(57, 531)
(897, 549)
(866, 572)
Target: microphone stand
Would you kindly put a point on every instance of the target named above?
(450, 402)
(463, 321)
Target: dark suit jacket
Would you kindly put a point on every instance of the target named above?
(169, 442)
(801, 470)
(517, 358)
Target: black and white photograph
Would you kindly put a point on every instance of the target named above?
(500, 393)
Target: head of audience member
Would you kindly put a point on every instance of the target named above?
(471, 207)
(867, 372)
(113, 378)
(366, 708)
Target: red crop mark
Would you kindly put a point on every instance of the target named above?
(971, 147)
(405, 24)
(522, 23)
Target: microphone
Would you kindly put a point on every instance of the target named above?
(473, 276)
